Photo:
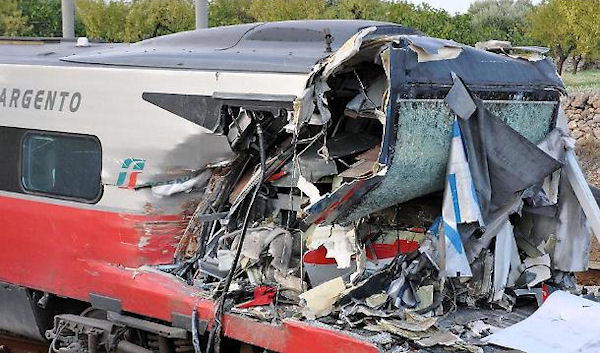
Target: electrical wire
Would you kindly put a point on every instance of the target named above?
(216, 330)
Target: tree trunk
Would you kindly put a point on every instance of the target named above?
(560, 63)
(576, 61)
(562, 55)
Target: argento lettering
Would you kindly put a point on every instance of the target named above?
(26, 98)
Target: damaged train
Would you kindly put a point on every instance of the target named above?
(301, 186)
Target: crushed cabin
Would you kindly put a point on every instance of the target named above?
(324, 186)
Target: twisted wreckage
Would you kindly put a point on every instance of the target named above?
(321, 186)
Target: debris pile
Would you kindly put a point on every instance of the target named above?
(400, 188)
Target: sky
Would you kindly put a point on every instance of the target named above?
(452, 6)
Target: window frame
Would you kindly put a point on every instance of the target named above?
(44, 133)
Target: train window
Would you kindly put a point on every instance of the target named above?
(62, 165)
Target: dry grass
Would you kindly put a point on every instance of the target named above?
(587, 81)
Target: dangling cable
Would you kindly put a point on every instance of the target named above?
(217, 326)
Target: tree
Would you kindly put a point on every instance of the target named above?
(567, 26)
(586, 28)
(12, 20)
(434, 22)
(229, 12)
(376, 10)
(103, 20)
(151, 18)
(501, 19)
(45, 18)
(281, 10)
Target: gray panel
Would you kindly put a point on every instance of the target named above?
(290, 46)
(105, 303)
(201, 110)
(18, 312)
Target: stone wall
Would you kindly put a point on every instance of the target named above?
(583, 115)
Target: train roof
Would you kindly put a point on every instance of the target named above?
(288, 47)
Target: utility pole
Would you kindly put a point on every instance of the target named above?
(201, 14)
(68, 19)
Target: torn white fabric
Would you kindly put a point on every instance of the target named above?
(460, 205)
(565, 323)
(502, 259)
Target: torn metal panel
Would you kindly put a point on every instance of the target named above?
(365, 166)
(277, 240)
(287, 202)
(176, 186)
(433, 49)
(348, 50)
(582, 191)
(573, 233)
(536, 270)
(369, 102)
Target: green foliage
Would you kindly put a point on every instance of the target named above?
(584, 17)
(119, 21)
(280, 10)
(12, 20)
(151, 18)
(501, 19)
(44, 17)
(103, 20)
(229, 12)
(360, 9)
(568, 27)
(434, 22)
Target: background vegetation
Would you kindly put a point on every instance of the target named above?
(570, 28)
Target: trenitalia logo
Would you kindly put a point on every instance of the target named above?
(40, 99)
(129, 171)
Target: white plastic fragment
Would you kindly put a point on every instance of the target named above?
(309, 189)
(564, 323)
(319, 300)
(538, 266)
(341, 246)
